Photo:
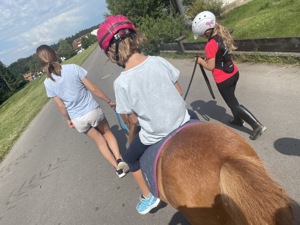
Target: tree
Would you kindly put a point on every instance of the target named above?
(157, 19)
(193, 7)
(6, 77)
(88, 40)
(136, 9)
(92, 39)
(7, 83)
(162, 30)
(65, 49)
(85, 43)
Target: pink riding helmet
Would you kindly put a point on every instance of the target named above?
(110, 27)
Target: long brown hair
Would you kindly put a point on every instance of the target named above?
(226, 36)
(48, 60)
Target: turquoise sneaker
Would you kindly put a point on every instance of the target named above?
(146, 204)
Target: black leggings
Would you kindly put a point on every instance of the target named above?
(227, 88)
(137, 148)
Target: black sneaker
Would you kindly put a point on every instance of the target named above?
(123, 165)
(120, 173)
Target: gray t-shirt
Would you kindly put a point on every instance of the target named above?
(77, 99)
(148, 90)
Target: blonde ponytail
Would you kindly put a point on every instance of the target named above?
(226, 36)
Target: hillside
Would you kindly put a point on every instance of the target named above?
(264, 18)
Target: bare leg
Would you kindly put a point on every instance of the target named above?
(97, 137)
(138, 176)
(104, 129)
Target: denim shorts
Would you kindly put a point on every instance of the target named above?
(90, 119)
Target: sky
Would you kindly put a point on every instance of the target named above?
(26, 24)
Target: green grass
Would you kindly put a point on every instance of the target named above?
(261, 19)
(264, 18)
(18, 111)
(80, 58)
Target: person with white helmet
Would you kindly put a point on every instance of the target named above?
(225, 72)
(147, 94)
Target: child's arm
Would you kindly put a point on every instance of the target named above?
(208, 64)
(132, 123)
(63, 110)
(178, 87)
(97, 91)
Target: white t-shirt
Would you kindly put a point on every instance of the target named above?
(148, 90)
(77, 99)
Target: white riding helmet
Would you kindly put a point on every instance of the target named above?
(202, 22)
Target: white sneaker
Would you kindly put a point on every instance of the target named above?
(123, 165)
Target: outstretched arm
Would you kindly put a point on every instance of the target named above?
(63, 110)
(98, 92)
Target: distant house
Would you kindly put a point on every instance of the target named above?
(32, 76)
(76, 44)
(27, 76)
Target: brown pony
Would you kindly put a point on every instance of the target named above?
(214, 177)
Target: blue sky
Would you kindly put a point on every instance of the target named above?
(26, 24)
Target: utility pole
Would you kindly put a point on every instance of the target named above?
(180, 6)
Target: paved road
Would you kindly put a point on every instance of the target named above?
(55, 176)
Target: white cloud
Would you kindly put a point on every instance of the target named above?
(29, 23)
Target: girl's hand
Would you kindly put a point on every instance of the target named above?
(70, 124)
(112, 104)
(201, 59)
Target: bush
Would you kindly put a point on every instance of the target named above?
(197, 6)
(160, 30)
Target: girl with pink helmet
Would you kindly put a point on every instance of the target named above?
(147, 94)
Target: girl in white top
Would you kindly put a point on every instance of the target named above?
(147, 95)
(70, 89)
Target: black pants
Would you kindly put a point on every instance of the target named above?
(192, 114)
(227, 89)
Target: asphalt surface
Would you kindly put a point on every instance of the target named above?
(56, 176)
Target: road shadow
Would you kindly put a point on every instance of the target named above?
(296, 212)
(179, 219)
(288, 146)
(218, 214)
(212, 110)
(121, 137)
